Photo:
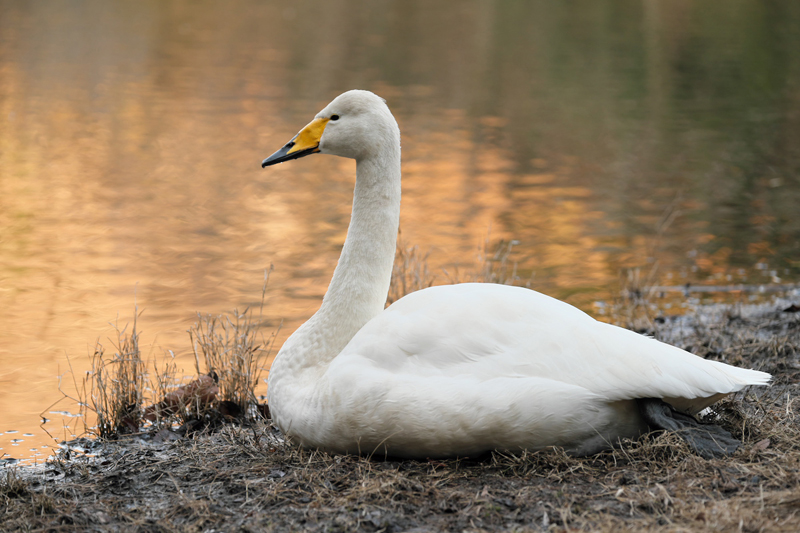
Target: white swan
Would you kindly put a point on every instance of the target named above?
(461, 369)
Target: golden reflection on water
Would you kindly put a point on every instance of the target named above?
(131, 136)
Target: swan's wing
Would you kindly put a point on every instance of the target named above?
(491, 331)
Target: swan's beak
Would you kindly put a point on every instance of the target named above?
(304, 143)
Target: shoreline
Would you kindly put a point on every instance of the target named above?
(247, 477)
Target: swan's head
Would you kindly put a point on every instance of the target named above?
(356, 124)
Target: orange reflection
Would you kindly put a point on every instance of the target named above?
(131, 137)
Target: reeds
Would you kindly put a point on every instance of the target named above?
(498, 265)
(410, 272)
(493, 264)
(234, 351)
(633, 308)
(114, 390)
(117, 385)
(125, 393)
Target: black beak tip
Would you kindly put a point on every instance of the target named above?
(283, 155)
(280, 156)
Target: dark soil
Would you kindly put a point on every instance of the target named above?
(246, 478)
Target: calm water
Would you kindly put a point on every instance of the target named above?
(602, 135)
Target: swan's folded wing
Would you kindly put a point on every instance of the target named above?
(490, 331)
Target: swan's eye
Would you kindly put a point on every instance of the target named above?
(334, 117)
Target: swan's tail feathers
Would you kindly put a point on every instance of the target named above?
(704, 392)
(707, 440)
(745, 376)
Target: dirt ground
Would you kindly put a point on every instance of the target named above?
(246, 478)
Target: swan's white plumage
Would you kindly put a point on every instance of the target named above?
(458, 369)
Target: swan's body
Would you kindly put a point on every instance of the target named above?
(458, 369)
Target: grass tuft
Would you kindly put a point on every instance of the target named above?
(498, 265)
(117, 385)
(113, 391)
(124, 398)
(410, 272)
(235, 352)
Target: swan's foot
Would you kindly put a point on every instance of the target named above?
(708, 440)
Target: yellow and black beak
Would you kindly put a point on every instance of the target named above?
(304, 143)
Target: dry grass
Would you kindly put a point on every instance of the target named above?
(493, 264)
(410, 272)
(122, 397)
(634, 308)
(235, 350)
(119, 384)
(113, 391)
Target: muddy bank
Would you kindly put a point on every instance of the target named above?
(249, 479)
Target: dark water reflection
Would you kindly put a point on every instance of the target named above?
(601, 135)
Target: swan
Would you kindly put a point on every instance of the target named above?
(460, 370)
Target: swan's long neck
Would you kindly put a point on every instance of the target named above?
(361, 280)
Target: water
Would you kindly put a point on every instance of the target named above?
(600, 135)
